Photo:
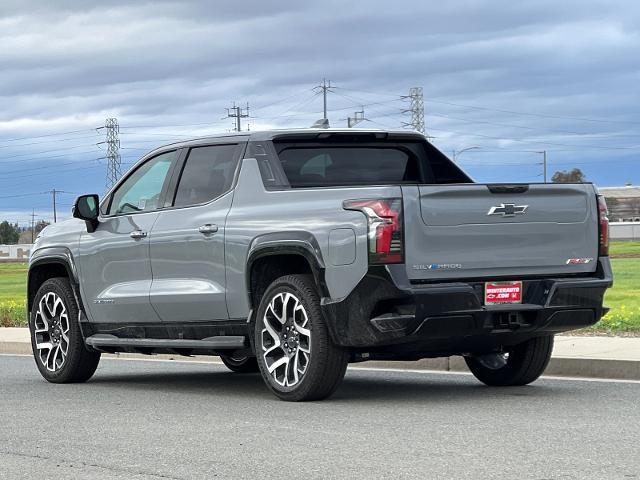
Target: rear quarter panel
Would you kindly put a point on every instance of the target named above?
(318, 211)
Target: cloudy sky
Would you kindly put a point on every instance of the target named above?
(511, 78)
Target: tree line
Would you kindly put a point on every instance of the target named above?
(12, 233)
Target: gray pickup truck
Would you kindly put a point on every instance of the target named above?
(295, 252)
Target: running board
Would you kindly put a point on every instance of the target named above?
(110, 342)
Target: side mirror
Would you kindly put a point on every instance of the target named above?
(86, 208)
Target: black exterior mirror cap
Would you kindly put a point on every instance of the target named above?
(86, 207)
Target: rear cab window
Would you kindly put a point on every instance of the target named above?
(353, 161)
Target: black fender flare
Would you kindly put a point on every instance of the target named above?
(296, 242)
(53, 255)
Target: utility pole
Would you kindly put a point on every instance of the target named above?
(544, 165)
(416, 109)
(114, 169)
(53, 193)
(33, 217)
(324, 87)
(356, 119)
(238, 113)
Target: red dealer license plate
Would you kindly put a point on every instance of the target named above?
(502, 292)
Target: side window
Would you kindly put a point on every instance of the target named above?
(207, 174)
(141, 191)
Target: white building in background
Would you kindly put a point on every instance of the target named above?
(623, 203)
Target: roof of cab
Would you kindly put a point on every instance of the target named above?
(266, 135)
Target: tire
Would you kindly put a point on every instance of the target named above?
(524, 364)
(241, 365)
(53, 321)
(315, 366)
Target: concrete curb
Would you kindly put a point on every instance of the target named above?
(15, 348)
(559, 366)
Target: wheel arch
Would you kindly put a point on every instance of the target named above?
(284, 253)
(51, 263)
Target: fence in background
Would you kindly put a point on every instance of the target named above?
(15, 252)
(625, 230)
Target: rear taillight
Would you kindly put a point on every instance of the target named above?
(603, 227)
(384, 217)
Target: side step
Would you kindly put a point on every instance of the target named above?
(111, 342)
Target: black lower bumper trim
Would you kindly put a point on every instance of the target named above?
(378, 313)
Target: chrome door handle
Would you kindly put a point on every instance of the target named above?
(138, 234)
(208, 229)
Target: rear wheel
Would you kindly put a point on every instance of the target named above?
(517, 365)
(240, 364)
(296, 356)
(56, 338)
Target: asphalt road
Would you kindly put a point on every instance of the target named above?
(153, 419)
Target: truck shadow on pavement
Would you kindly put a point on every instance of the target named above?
(357, 386)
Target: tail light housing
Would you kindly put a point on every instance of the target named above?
(385, 234)
(603, 227)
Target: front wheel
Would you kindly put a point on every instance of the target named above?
(295, 353)
(517, 365)
(56, 338)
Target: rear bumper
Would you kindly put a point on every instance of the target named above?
(387, 314)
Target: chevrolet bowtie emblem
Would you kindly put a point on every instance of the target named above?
(508, 209)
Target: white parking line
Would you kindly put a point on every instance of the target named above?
(364, 369)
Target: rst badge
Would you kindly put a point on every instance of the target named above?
(579, 261)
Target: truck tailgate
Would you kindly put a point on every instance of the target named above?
(490, 231)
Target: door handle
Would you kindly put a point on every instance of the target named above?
(208, 229)
(138, 234)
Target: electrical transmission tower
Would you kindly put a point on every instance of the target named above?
(416, 109)
(356, 119)
(238, 113)
(114, 169)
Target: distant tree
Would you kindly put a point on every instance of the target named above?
(573, 176)
(40, 226)
(27, 237)
(9, 234)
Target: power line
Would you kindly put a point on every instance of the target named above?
(524, 127)
(38, 174)
(530, 114)
(514, 112)
(281, 100)
(56, 140)
(27, 154)
(48, 157)
(23, 195)
(538, 142)
(47, 135)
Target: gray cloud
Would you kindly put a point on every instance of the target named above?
(67, 66)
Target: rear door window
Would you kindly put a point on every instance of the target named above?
(207, 174)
